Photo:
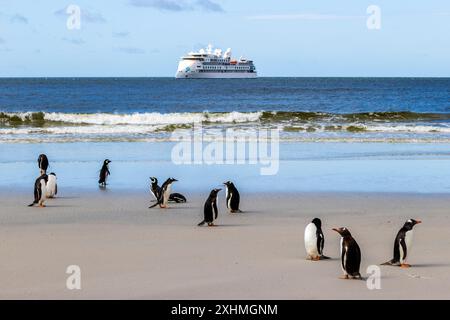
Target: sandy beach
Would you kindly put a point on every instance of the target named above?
(128, 251)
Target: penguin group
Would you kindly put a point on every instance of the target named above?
(45, 186)
(350, 252)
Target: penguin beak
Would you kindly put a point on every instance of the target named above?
(337, 230)
(418, 221)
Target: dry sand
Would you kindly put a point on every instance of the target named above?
(130, 252)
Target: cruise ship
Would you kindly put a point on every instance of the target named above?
(209, 63)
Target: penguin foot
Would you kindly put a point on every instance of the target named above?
(42, 206)
(344, 277)
(405, 265)
(316, 258)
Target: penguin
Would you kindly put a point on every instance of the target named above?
(43, 163)
(402, 244)
(232, 197)
(52, 186)
(40, 191)
(314, 240)
(210, 209)
(164, 193)
(155, 189)
(104, 173)
(177, 197)
(350, 254)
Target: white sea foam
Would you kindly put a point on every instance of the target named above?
(152, 118)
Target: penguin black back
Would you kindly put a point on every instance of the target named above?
(350, 254)
(233, 197)
(43, 163)
(39, 193)
(104, 172)
(320, 237)
(210, 211)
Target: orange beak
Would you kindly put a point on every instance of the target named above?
(418, 221)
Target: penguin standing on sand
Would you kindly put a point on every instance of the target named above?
(43, 163)
(232, 197)
(155, 189)
(40, 191)
(314, 240)
(164, 193)
(104, 173)
(52, 186)
(210, 209)
(402, 244)
(350, 254)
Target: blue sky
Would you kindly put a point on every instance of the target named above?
(284, 37)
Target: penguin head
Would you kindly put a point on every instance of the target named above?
(317, 222)
(411, 223)
(52, 174)
(214, 192)
(107, 161)
(172, 180)
(154, 179)
(228, 183)
(343, 231)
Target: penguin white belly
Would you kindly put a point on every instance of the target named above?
(43, 192)
(51, 186)
(167, 194)
(311, 240)
(344, 259)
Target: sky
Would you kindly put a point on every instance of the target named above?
(146, 38)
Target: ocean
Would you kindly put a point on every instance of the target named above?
(336, 134)
(150, 109)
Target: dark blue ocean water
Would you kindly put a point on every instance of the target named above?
(167, 95)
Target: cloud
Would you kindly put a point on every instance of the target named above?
(75, 41)
(121, 34)
(179, 5)
(303, 16)
(130, 50)
(86, 15)
(18, 18)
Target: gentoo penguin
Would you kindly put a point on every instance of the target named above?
(210, 209)
(40, 191)
(350, 254)
(232, 197)
(104, 173)
(177, 197)
(51, 187)
(155, 189)
(164, 194)
(402, 244)
(314, 240)
(43, 163)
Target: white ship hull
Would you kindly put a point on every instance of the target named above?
(209, 65)
(215, 75)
